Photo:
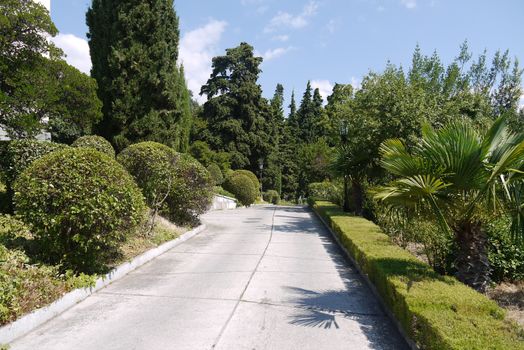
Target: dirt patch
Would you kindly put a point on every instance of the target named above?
(511, 297)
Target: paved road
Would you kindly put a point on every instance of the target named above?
(257, 278)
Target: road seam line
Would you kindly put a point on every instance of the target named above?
(215, 343)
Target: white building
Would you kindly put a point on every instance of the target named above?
(44, 135)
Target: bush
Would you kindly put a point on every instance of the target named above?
(97, 142)
(152, 165)
(177, 183)
(216, 174)
(505, 257)
(271, 196)
(326, 191)
(242, 188)
(252, 177)
(19, 154)
(192, 191)
(81, 204)
(436, 312)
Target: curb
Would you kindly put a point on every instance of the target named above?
(29, 322)
(411, 344)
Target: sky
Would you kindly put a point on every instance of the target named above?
(324, 41)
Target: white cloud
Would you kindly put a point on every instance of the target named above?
(285, 19)
(410, 4)
(324, 86)
(521, 103)
(76, 50)
(282, 38)
(356, 83)
(197, 49)
(275, 53)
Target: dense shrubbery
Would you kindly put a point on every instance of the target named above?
(329, 191)
(19, 154)
(97, 142)
(436, 312)
(193, 191)
(242, 188)
(174, 183)
(505, 257)
(216, 174)
(80, 204)
(271, 196)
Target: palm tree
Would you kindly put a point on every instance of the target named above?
(460, 179)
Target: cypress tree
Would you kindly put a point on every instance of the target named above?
(306, 116)
(134, 50)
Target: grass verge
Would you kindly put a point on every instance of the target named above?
(436, 312)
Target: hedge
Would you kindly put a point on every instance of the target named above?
(242, 188)
(436, 312)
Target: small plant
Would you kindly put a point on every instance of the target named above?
(96, 142)
(81, 205)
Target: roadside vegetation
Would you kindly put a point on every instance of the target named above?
(432, 153)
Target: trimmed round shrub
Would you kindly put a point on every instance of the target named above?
(242, 188)
(152, 166)
(271, 196)
(97, 142)
(81, 204)
(192, 191)
(252, 177)
(19, 154)
(216, 174)
(176, 184)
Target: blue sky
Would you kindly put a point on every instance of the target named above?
(325, 41)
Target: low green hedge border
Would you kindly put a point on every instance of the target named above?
(436, 312)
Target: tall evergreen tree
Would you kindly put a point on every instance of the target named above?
(236, 113)
(306, 116)
(134, 50)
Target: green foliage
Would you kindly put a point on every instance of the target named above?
(21, 153)
(455, 177)
(326, 191)
(176, 184)
(80, 204)
(221, 191)
(271, 196)
(506, 258)
(134, 49)
(152, 166)
(252, 177)
(201, 152)
(436, 312)
(242, 188)
(34, 87)
(96, 142)
(236, 113)
(192, 191)
(216, 174)
(25, 287)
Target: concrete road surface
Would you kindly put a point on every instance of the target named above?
(258, 278)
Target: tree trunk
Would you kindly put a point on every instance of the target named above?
(346, 205)
(358, 196)
(472, 261)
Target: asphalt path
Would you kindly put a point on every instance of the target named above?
(263, 277)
